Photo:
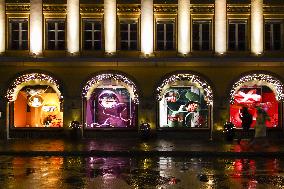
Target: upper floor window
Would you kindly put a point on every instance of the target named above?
(165, 35)
(201, 35)
(18, 34)
(237, 35)
(273, 32)
(128, 35)
(92, 34)
(55, 34)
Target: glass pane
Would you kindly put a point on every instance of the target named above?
(123, 27)
(170, 36)
(97, 26)
(25, 35)
(61, 45)
(133, 36)
(205, 32)
(15, 26)
(88, 35)
(98, 46)
(242, 45)
(160, 36)
(276, 32)
(15, 45)
(51, 45)
(97, 36)
(232, 45)
(195, 45)
(61, 35)
(61, 25)
(51, 36)
(25, 26)
(87, 45)
(205, 45)
(232, 30)
(124, 46)
(25, 45)
(170, 46)
(241, 32)
(51, 26)
(133, 45)
(195, 32)
(15, 35)
(133, 27)
(124, 35)
(170, 27)
(160, 27)
(88, 26)
(160, 46)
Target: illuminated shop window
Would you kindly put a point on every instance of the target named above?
(92, 34)
(184, 107)
(237, 35)
(55, 29)
(201, 35)
(254, 97)
(38, 106)
(111, 102)
(273, 35)
(165, 35)
(18, 34)
(128, 35)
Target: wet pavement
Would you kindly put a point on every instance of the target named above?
(136, 147)
(134, 163)
(140, 173)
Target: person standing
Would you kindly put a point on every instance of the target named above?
(260, 128)
(246, 118)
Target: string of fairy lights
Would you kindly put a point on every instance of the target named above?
(202, 84)
(265, 79)
(20, 82)
(116, 77)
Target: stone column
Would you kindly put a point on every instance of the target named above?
(257, 27)
(184, 39)
(220, 26)
(36, 33)
(2, 26)
(110, 26)
(73, 29)
(147, 28)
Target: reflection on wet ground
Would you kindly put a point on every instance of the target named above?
(160, 172)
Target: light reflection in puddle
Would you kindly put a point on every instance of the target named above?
(159, 172)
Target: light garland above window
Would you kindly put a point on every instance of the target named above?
(96, 81)
(257, 80)
(192, 79)
(30, 80)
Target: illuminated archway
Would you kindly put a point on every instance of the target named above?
(36, 101)
(185, 101)
(256, 91)
(110, 101)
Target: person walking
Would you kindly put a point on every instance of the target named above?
(260, 128)
(246, 118)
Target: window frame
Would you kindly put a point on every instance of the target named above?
(9, 30)
(83, 21)
(210, 34)
(246, 42)
(166, 21)
(274, 21)
(47, 20)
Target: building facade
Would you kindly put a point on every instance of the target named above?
(183, 66)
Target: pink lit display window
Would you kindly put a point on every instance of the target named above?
(253, 98)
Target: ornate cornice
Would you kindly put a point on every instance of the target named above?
(166, 8)
(203, 8)
(273, 9)
(238, 8)
(93, 8)
(128, 8)
(58, 8)
(15, 7)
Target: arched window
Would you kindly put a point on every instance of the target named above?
(256, 91)
(110, 102)
(35, 101)
(184, 101)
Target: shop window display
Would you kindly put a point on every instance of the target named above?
(183, 107)
(254, 97)
(38, 106)
(110, 108)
